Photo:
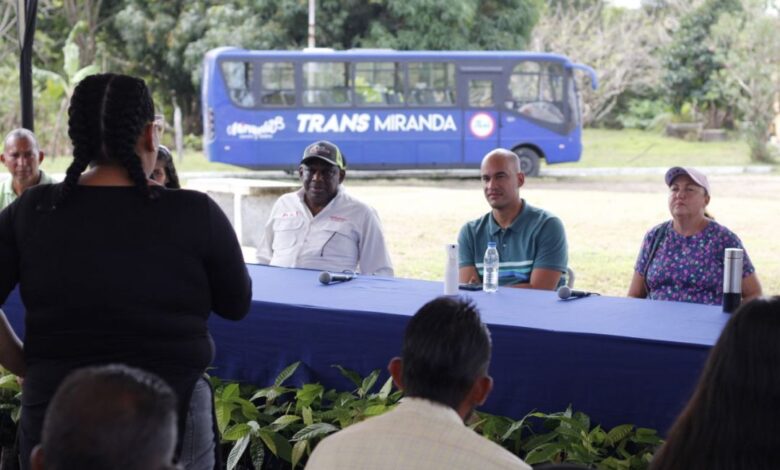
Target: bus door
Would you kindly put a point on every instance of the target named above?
(478, 87)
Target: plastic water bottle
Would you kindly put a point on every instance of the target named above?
(490, 269)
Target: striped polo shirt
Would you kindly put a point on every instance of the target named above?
(535, 239)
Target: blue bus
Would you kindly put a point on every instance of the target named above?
(390, 109)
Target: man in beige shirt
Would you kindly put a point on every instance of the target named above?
(443, 373)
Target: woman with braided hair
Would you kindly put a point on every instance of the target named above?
(90, 254)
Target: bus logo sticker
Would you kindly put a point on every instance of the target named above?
(266, 130)
(482, 125)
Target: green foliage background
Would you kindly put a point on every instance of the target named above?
(686, 65)
(164, 41)
(692, 65)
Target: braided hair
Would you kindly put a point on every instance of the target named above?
(107, 113)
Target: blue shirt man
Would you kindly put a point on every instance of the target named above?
(531, 242)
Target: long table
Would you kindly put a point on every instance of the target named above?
(619, 360)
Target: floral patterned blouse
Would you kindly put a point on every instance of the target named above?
(688, 269)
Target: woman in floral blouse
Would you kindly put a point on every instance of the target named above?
(682, 259)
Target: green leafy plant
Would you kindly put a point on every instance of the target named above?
(10, 394)
(645, 114)
(567, 436)
(287, 422)
(58, 86)
(278, 426)
(10, 407)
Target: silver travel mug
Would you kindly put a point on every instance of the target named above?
(732, 279)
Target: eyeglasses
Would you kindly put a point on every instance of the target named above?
(159, 126)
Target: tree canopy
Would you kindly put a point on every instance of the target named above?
(668, 53)
(692, 65)
(165, 41)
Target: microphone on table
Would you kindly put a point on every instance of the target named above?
(329, 278)
(566, 292)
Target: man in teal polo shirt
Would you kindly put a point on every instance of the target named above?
(531, 242)
(22, 156)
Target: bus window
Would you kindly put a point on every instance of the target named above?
(574, 107)
(431, 84)
(481, 93)
(536, 89)
(239, 77)
(326, 84)
(378, 84)
(277, 85)
(551, 88)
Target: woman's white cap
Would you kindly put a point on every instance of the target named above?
(697, 176)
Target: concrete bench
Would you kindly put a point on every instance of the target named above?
(713, 135)
(246, 202)
(684, 130)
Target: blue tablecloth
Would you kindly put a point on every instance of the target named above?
(619, 360)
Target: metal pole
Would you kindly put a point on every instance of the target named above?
(26, 12)
(21, 20)
(312, 12)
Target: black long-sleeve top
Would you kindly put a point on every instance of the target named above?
(112, 277)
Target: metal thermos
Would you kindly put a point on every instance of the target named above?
(732, 279)
(451, 269)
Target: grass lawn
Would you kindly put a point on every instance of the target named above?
(631, 147)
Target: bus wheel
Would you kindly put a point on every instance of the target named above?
(529, 161)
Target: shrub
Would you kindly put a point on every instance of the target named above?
(644, 114)
(281, 425)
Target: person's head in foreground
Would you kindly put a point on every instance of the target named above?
(733, 418)
(111, 417)
(445, 356)
(112, 127)
(442, 372)
(164, 170)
